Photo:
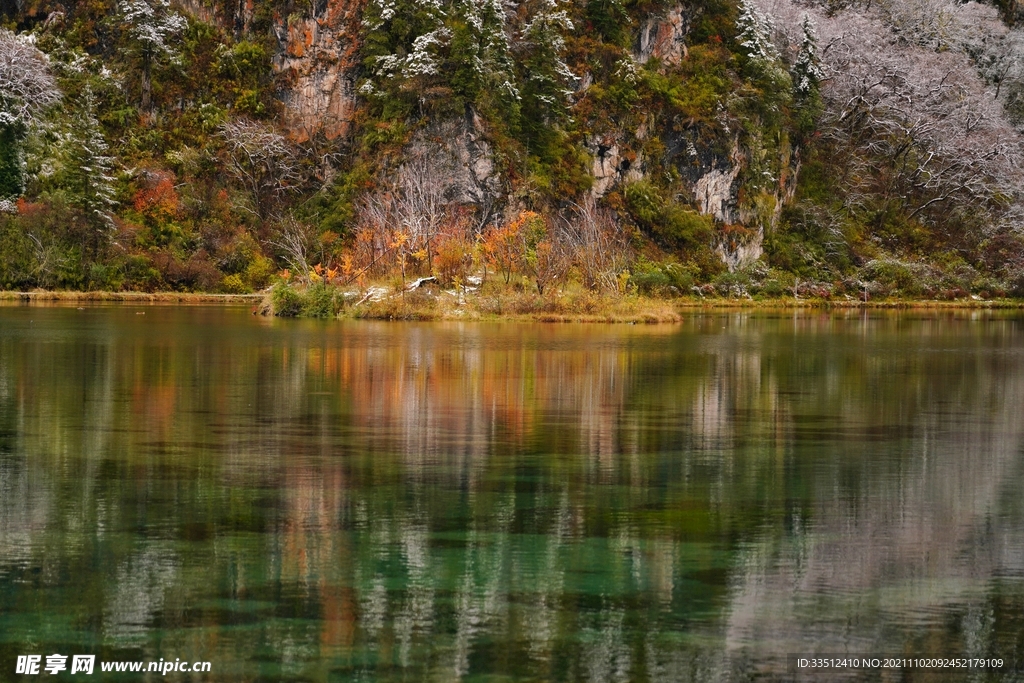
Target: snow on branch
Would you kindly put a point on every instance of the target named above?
(26, 86)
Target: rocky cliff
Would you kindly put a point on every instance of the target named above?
(318, 69)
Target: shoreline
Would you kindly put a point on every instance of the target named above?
(59, 296)
(615, 310)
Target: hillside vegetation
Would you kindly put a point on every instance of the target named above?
(827, 148)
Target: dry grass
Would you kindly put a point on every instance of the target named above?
(40, 296)
(509, 303)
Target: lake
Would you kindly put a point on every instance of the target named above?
(355, 501)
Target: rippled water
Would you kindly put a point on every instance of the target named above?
(305, 501)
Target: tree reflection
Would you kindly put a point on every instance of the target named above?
(573, 503)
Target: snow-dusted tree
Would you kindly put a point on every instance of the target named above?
(763, 67)
(480, 53)
(807, 72)
(150, 26)
(547, 81)
(755, 33)
(87, 174)
(910, 126)
(405, 43)
(26, 89)
(262, 161)
(429, 49)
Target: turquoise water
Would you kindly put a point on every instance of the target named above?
(311, 501)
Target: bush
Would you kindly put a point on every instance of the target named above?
(734, 284)
(670, 223)
(1016, 287)
(105, 277)
(662, 279)
(899, 277)
(233, 284)
(321, 301)
(285, 301)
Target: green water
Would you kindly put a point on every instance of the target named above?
(306, 501)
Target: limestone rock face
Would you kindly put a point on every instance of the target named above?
(200, 11)
(461, 160)
(663, 36)
(610, 166)
(317, 59)
(716, 194)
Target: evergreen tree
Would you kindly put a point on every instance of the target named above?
(547, 79)
(404, 45)
(480, 56)
(87, 175)
(807, 73)
(149, 27)
(807, 76)
(755, 34)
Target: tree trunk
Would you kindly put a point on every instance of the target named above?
(146, 103)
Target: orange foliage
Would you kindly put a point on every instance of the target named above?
(504, 247)
(158, 201)
(452, 258)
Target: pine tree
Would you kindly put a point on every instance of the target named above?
(756, 34)
(405, 42)
(807, 73)
(149, 28)
(480, 55)
(547, 79)
(88, 175)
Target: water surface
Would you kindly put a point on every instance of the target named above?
(310, 501)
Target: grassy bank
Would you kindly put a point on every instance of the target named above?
(134, 297)
(495, 301)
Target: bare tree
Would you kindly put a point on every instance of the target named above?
(908, 117)
(599, 247)
(263, 161)
(407, 214)
(421, 205)
(297, 242)
(26, 89)
(26, 85)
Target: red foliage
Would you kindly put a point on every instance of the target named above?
(158, 200)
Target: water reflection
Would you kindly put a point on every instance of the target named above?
(374, 502)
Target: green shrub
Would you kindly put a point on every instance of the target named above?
(16, 258)
(670, 223)
(139, 274)
(734, 284)
(650, 281)
(321, 301)
(662, 279)
(895, 276)
(285, 301)
(105, 277)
